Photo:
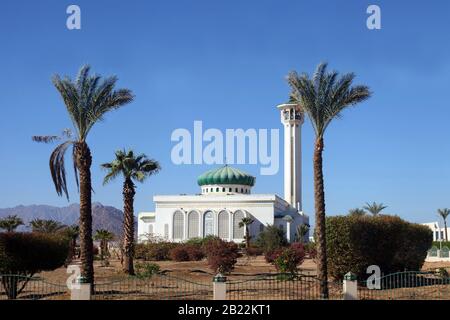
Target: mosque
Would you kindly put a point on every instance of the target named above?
(226, 198)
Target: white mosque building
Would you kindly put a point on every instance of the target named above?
(226, 198)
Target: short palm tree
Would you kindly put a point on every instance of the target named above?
(323, 97)
(444, 213)
(104, 236)
(10, 223)
(375, 208)
(301, 232)
(246, 222)
(356, 212)
(87, 99)
(132, 168)
(71, 233)
(46, 226)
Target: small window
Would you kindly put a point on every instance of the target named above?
(242, 190)
(237, 190)
(261, 227)
(229, 190)
(217, 190)
(223, 189)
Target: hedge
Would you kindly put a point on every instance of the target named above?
(25, 254)
(356, 242)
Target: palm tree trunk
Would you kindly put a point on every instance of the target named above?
(445, 230)
(83, 162)
(128, 226)
(319, 198)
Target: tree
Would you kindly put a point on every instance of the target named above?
(271, 238)
(301, 232)
(356, 212)
(246, 222)
(10, 223)
(87, 100)
(71, 233)
(46, 226)
(132, 168)
(104, 236)
(375, 208)
(444, 213)
(323, 97)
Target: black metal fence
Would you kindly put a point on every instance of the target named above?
(280, 287)
(18, 287)
(156, 287)
(407, 285)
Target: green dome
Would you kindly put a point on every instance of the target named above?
(226, 175)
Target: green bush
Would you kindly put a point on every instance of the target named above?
(145, 270)
(154, 251)
(271, 238)
(356, 242)
(26, 254)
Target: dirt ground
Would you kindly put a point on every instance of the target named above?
(191, 270)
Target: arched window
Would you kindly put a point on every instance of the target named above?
(223, 224)
(238, 233)
(178, 225)
(193, 220)
(217, 189)
(208, 224)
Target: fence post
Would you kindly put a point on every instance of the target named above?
(80, 290)
(350, 287)
(219, 287)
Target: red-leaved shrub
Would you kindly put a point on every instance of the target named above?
(286, 260)
(195, 253)
(221, 255)
(179, 253)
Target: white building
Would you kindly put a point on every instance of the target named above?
(226, 198)
(438, 232)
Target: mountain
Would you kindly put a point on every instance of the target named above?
(104, 217)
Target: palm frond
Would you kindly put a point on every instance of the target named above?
(57, 168)
(324, 95)
(45, 139)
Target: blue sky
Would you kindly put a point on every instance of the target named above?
(225, 62)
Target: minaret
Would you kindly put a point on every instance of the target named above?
(292, 120)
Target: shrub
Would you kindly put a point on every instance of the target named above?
(288, 259)
(26, 254)
(356, 242)
(179, 253)
(195, 252)
(270, 256)
(271, 238)
(221, 255)
(154, 251)
(144, 270)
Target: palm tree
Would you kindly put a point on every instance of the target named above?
(71, 233)
(132, 168)
(323, 96)
(10, 223)
(356, 212)
(375, 208)
(301, 232)
(247, 221)
(104, 236)
(444, 213)
(46, 226)
(87, 99)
